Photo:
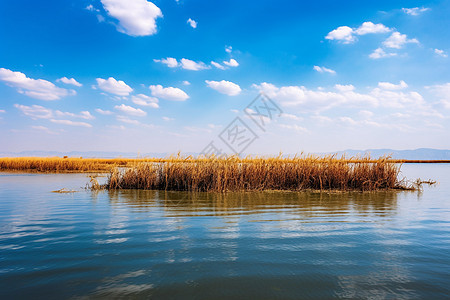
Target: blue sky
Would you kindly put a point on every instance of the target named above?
(168, 76)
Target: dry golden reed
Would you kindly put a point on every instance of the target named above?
(66, 164)
(259, 173)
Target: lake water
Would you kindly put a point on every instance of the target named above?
(176, 245)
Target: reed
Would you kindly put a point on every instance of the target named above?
(66, 164)
(260, 173)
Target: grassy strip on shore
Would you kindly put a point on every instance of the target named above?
(249, 174)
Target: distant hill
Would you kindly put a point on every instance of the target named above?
(416, 154)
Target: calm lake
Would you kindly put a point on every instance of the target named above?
(177, 245)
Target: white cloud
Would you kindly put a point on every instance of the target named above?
(113, 86)
(169, 93)
(344, 87)
(398, 40)
(324, 70)
(83, 115)
(169, 61)
(35, 111)
(192, 23)
(136, 17)
(228, 49)
(185, 82)
(380, 53)
(369, 27)
(103, 112)
(44, 129)
(225, 87)
(231, 63)
(344, 95)
(365, 114)
(127, 120)
(90, 7)
(415, 11)
(167, 119)
(217, 65)
(440, 52)
(443, 92)
(71, 123)
(347, 34)
(291, 117)
(40, 112)
(445, 103)
(131, 110)
(342, 33)
(294, 127)
(145, 100)
(188, 64)
(34, 88)
(2, 111)
(71, 81)
(391, 86)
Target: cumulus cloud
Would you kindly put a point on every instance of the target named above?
(440, 52)
(169, 61)
(188, 64)
(35, 111)
(44, 129)
(168, 93)
(70, 123)
(228, 49)
(443, 92)
(145, 100)
(293, 127)
(415, 11)
(344, 87)
(113, 86)
(71, 81)
(136, 17)
(319, 100)
(391, 86)
(225, 87)
(127, 120)
(365, 114)
(291, 117)
(217, 65)
(192, 23)
(40, 112)
(398, 40)
(90, 7)
(346, 34)
(185, 82)
(380, 53)
(342, 33)
(83, 115)
(231, 63)
(35, 88)
(324, 70)
(369, 27)
(103, 112)
(130, 110)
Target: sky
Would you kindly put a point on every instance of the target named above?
(258, 77)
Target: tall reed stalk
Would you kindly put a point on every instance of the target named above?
(259, 173)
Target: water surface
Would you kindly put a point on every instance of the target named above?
(177, 245)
